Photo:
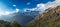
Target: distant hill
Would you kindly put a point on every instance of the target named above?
(49, 18)
(9, 24)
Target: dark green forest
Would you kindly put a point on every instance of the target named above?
(9, 24)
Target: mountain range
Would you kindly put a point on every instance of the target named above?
(25, 17)
(21, 17)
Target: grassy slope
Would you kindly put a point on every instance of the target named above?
(50, 18)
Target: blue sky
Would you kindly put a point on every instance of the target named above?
(21, 4)
(12, 6)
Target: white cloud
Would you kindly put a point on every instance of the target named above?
(28, 3)
(8, 12)
(29, 9)
(4, 13)
(42, 7)
(14, 5)
(17, 10)
(48, 5)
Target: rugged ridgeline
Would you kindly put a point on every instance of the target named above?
(49, 18)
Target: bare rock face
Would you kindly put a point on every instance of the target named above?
(49, 18)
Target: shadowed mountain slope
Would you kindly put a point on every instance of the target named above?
(49, 18)
(25, 17)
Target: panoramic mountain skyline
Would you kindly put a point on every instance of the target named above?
(22, 12)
